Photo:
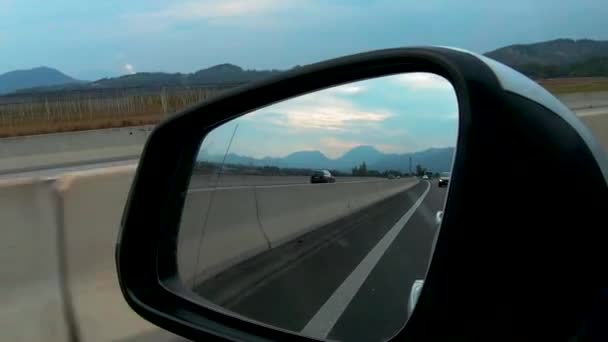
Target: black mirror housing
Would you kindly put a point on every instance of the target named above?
(522, 258)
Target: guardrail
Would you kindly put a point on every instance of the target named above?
(221, 228)
(576, 101)
(59, 279)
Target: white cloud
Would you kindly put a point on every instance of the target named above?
(233, 13)
(129, 68)
(423, 81)
(449, 116)
(208, 9)
(6, 6)
(348, 89)
(322, 110)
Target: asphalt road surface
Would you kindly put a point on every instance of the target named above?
(198, 181)
(53, 171)
(349, 280)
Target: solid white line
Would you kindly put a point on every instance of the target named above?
(592, 111)
(324, 320)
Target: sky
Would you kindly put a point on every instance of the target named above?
(94, 39)
(394, 114)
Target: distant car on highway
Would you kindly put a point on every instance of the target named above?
(322, 176)
(444, 179)
(425, 177)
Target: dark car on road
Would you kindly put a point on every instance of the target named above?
(444, 179)
(322, 176)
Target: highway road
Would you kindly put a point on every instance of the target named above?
(597, 120)
(349, 280)
(53, 171)
(132, 140)
(207, 181)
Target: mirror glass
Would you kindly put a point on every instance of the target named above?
(317, 214)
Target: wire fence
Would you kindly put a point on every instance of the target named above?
(45, 113)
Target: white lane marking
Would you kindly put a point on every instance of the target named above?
(592, 111)
(324, 320)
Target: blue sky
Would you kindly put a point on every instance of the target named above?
(93, 39)
(395, 114)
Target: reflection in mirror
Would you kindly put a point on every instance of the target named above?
(317, 214)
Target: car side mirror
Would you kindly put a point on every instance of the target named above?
(193, 198)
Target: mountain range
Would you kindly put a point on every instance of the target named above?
(36, 77)
(556, 58)
(549, 59)
(434, 159)
(44, 79)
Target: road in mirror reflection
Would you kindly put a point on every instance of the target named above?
(317, 214)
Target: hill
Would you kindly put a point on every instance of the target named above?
(36, 77)
(434, 159)
(556, 58)
(550, 59)
(218, 75)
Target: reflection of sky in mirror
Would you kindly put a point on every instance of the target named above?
(395, 114)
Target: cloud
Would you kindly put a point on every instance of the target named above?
(207, 9)
(6, 6)
(129, 68)
(323, 110)
(232, 13)
(449, 116)
(423, 81)
(335, 120)
(348, 89)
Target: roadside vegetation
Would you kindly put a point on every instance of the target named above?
(65, 111)
(560, 86)
(207, 168)
(81, 110)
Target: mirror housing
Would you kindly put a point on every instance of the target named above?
(490, 239)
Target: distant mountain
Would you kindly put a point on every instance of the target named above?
(556, 58)
(434, 159)
(360, 154)
(549, 59)
(222, 74)
(306, 159)
(229, 73)
(36, 77)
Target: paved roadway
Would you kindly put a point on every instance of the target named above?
(597, 120)
(349, 280)
(229, 181)
(57, 170)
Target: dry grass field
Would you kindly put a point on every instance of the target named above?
(74, 111)
(42, 113)
(575, 85)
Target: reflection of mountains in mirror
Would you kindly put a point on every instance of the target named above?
(433, 159)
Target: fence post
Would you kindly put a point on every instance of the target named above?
(163, 101)
(48, 110)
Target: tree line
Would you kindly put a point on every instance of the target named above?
(205, 167)
(593, 67)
